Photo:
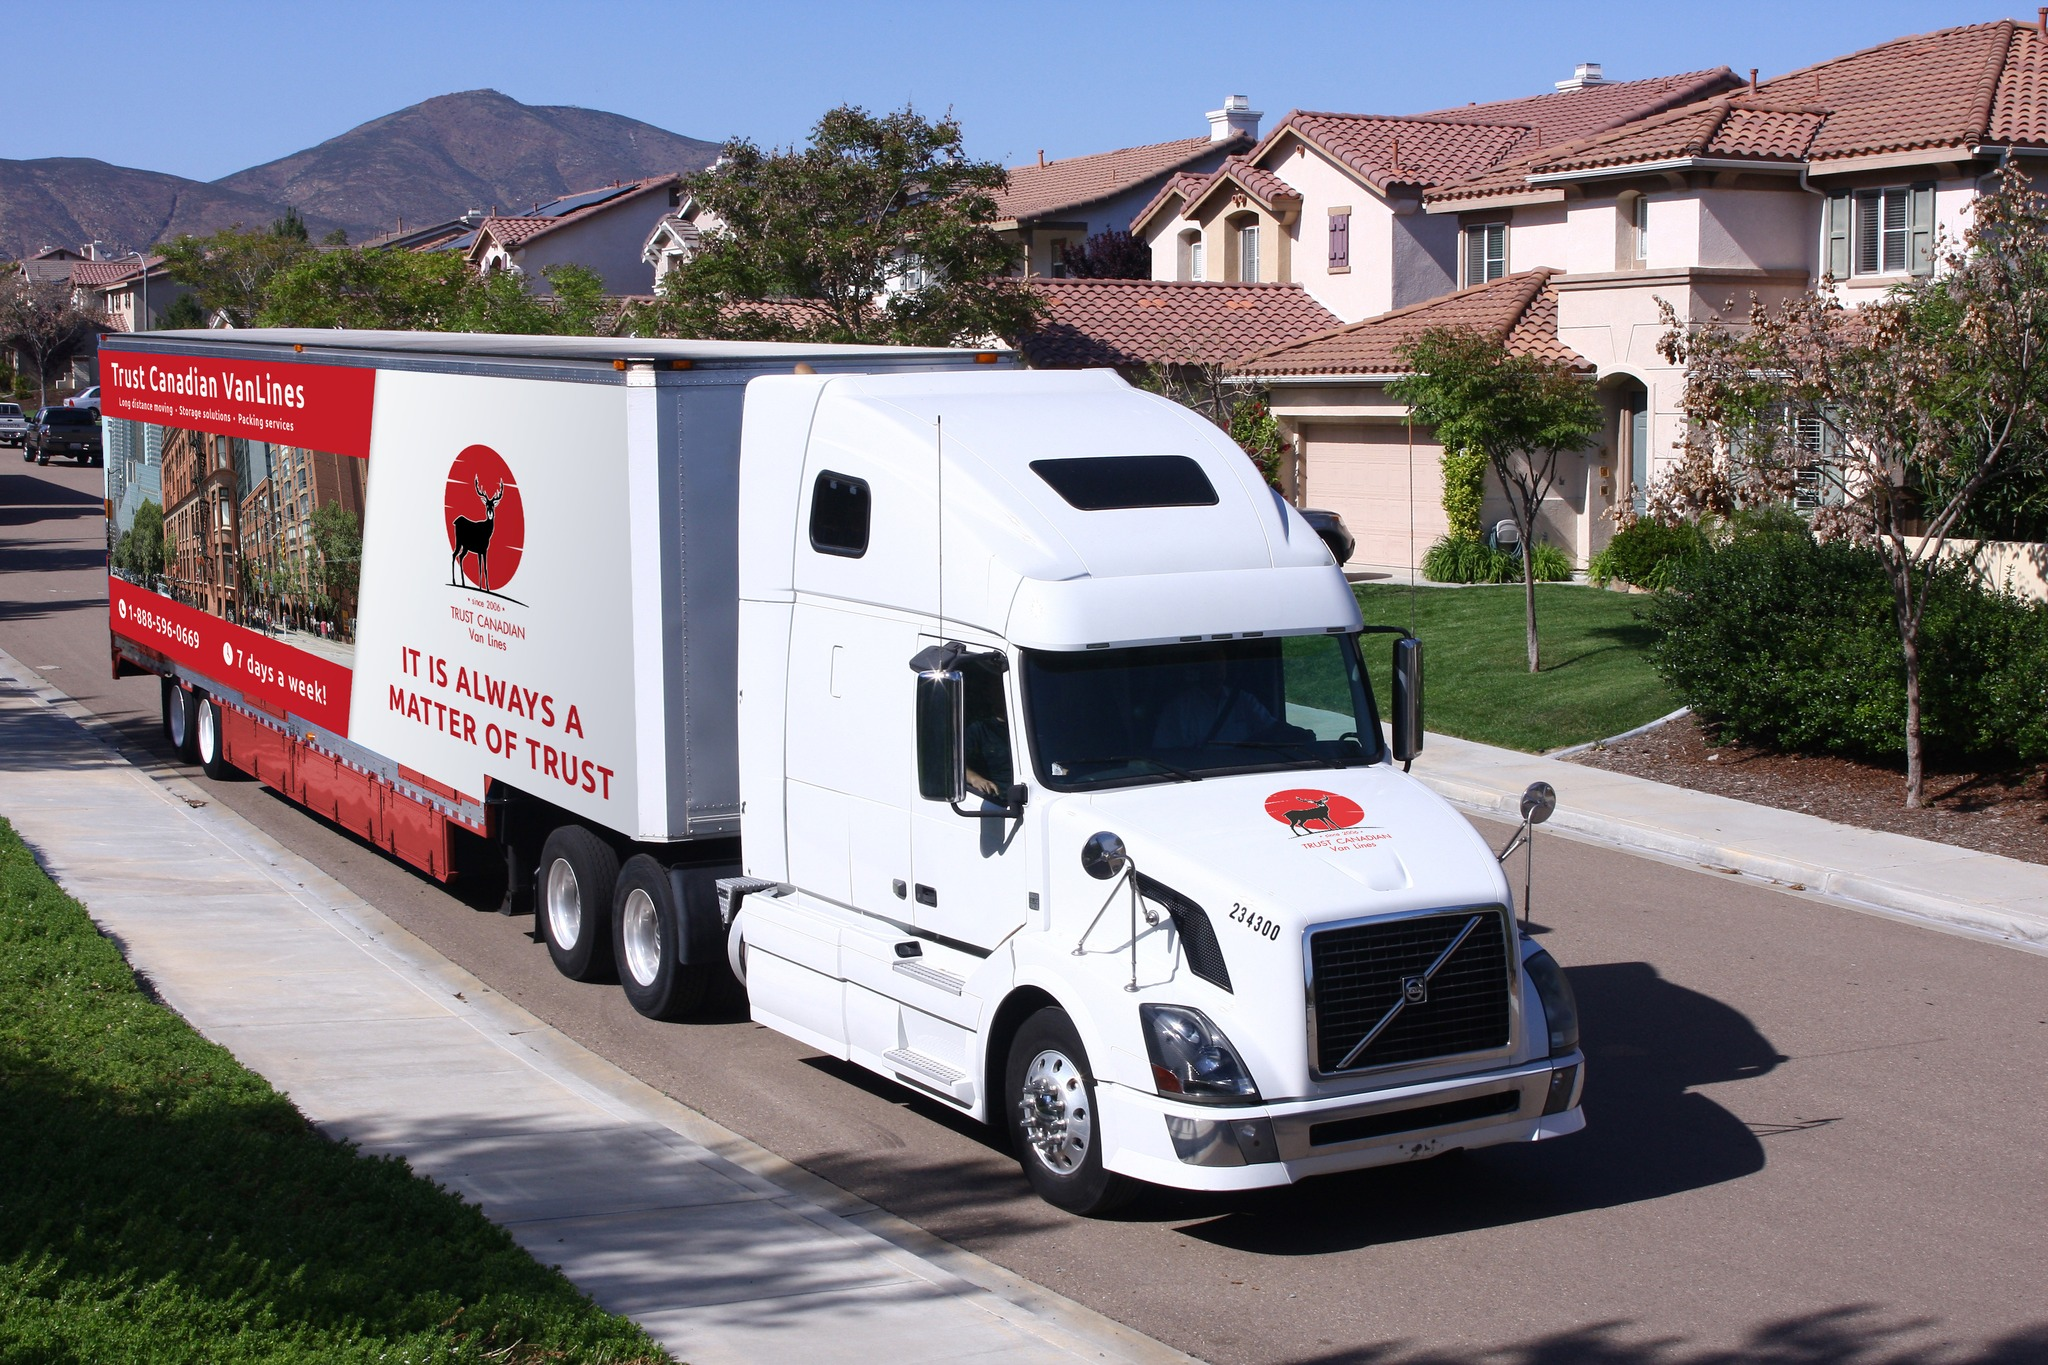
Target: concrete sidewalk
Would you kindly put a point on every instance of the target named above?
(1953, 888)
(719, 1248)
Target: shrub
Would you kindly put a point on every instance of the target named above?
(1644, 553)
(1790, 644)
(1456, 559)
(1464, 492)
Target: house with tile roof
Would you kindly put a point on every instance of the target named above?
(1353, 449)
(1135, 324)
(1334, 202)
(1055, 204)
(604, 230)
(1847, 172)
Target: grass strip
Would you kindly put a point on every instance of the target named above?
(1596, 679)
(162, 1203)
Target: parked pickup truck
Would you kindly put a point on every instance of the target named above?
(13, 426)
(70, 432)
(1001, 732)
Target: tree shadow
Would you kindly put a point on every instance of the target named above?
(1632, 638)
(1847, 1334)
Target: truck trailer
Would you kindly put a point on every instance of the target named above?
(1001, 731)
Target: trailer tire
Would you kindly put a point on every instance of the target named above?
(647, 926)
(578, 874)
(1048, 1079)
(178, 720)
(209, 743)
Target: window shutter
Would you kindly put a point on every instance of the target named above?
(1836, 258)
(1920, 230)
(1340, 240)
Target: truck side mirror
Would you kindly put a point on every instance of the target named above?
(941, 737)
(1407, 717)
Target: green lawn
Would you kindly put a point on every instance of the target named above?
(1596, 679)
(162, 1203)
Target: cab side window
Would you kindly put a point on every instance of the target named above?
(841, 508)
(987, 729)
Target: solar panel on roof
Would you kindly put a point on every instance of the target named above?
(570, 203)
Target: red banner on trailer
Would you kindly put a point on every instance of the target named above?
(272, 675)
(315, 407)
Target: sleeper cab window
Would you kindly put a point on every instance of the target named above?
(841, 508)
(1103, 483)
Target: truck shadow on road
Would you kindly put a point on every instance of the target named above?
(1648, 1135)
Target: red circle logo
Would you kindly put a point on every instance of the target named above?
(1310, 810)
(486, 520)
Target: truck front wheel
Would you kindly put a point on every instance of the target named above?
(647, 926)
(578, 874)
(1050, 1092)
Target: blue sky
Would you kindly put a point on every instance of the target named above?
(231, 85)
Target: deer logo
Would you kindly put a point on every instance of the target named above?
(473, 537)
(1298, 820)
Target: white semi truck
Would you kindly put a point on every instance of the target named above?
(1000, 731)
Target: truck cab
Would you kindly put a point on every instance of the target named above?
(1067, 800)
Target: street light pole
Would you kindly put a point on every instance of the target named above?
(142, 318)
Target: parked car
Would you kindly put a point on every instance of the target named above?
(13, 426)
(1330, 526)
(89, 399)
(64, 431)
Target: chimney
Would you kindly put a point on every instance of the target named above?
(1583, 75)
(1041, 158)
(1752, 80)
(1236, 117)
(95, 251)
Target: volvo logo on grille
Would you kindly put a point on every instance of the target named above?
(1415, 989)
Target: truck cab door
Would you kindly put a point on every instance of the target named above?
(972, 880)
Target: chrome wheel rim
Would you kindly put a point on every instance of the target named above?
(565, 903)
(640, 931)
(1058, 1121)
(178, 717)
(208, 736)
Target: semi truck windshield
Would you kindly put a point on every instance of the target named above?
(1166, 713)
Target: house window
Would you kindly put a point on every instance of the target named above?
(1639, 230)
(1056, 258)
(1881, 230)
(1486, 252)
(1248, 253)
(1191, 255)
(1340, 239)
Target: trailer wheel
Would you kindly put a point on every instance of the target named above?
(1050, 1093)
(208, 743)
(578, 872)
(178, 718)
(647, 927)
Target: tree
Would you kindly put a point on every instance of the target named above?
(182, 312)
(141, 547)
(1521, 412)
(1110, 255)
(1904, 410)
(881, 228)
(44, 326)
(406, 291)
(229, 269)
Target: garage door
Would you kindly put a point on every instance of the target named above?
(1362, 472)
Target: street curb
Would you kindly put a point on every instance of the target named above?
(1856, 891)
(1042, 1313)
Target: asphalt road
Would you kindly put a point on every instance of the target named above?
(1815, 1135)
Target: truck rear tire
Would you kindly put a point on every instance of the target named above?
(647, 927)
(1049, 1091)
(208, 743)
(578, 874)
(178, 720)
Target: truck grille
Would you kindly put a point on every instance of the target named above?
(1362, 973)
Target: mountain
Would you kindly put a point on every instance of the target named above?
(434, 160)
(67, 200)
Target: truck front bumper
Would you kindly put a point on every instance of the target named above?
(1201, 1147)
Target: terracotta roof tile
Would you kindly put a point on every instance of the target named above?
(1036, 191)
(1519, 309)
(1956, 87)
(1264, 186)
(99, 274)
(1387, 150)
(1567, 115)
(513, 231)
(1183, 187)
(1166, 322)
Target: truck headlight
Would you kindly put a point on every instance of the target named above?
(1192, 1060)
(1560, 1006)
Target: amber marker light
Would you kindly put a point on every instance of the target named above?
(985, 358)
(618, 364)
(682, 364)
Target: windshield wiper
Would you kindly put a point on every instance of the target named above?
(1280, 745)
(1182, 773)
